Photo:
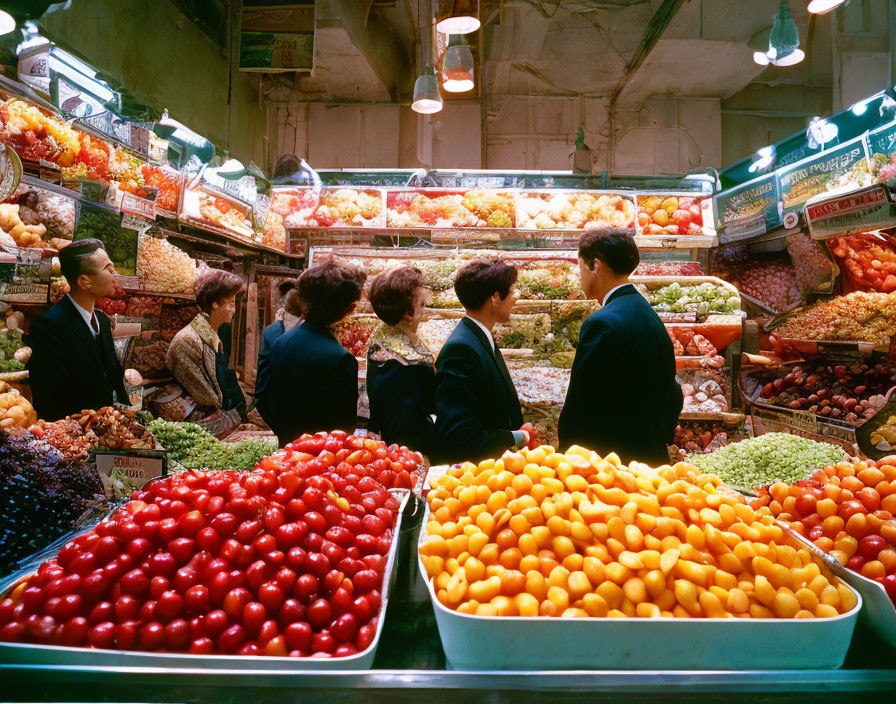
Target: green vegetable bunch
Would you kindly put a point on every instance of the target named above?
(10, 341)
(703, 298)
(194, 448)
(757, 462)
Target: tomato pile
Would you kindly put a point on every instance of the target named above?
(869, 258)
(392, 466)
(167, 181)
(286, 562)
(847, 510)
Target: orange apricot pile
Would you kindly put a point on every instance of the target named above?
(540, 533)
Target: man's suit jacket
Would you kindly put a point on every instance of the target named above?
(310, 383)
(269, 337)
(70, 370)
(623, 395)
(476, 403)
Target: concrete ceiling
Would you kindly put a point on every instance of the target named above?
(368, 50)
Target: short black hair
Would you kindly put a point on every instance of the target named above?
(613, 246)
(72, 258)
(477, 281)
(392, 293)
(328, 290)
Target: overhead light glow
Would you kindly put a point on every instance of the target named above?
(765, 157)
(794, 57)
(7, 22)
(457, 16)
(457, 66)
(820, 7)
(821, 132)
(783, 42)
(427, 99)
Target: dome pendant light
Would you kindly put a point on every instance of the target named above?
(457, 16)
(427, 99)
(457, 66)
(784, 41)
(821, 7)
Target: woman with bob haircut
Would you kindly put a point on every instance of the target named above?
(310, 382)
(401, 371)
(477, 409)
(196, 357)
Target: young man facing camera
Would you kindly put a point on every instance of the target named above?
(623, 396)
(477, 410)
(73, 364)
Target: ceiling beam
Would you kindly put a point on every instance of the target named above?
(390, 53)
(654, 30)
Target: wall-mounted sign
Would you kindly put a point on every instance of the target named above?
(747, 210)
(882, 151)
(277, 37)
(841, 168)
(866, 209)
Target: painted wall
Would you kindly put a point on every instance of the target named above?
(166, 61)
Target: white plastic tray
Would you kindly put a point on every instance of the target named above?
(28, 654)
(545, 643)
(878, 611)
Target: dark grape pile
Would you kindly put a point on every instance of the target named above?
(42, 494)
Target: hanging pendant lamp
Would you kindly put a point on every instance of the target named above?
(821, 7)
(784, 41)
(457, 16)
(457, 66)
(427, 99)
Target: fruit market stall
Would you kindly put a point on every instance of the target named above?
(107, 178)
(619, 577)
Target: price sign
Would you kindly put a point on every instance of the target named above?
(124, 471)
(27, 293)
(862, 210)
(747, 210)
(140, 207)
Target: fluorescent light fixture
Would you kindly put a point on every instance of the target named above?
(427, 99)
(7, 22)
(820, 7)
(457, 16)
(457, 66)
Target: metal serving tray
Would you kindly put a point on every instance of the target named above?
(878, 611)
(28, 654)
(546, 643)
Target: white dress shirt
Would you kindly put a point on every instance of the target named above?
(89, 317)
(614, 290)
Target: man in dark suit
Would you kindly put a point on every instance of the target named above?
(310, 382)
(273, 331)
(477, 410)
(73, 364)
(623, 396)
